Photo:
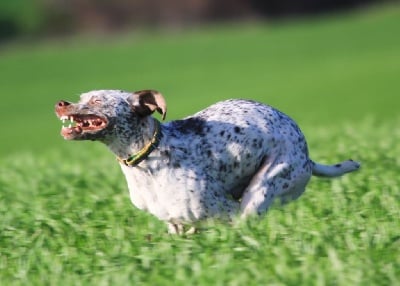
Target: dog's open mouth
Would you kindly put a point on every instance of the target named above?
(75, 125)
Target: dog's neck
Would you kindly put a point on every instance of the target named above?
(137, 139)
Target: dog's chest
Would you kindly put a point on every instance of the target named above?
(175, 197)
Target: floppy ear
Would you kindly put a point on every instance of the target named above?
(145, 102)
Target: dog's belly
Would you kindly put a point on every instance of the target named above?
(179, 198)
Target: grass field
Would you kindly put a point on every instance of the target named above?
(66, 218)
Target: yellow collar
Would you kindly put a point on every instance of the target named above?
(134, 159)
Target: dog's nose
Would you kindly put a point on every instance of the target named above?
(62, 103)
(61, 106)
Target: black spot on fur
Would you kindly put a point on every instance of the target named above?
(338, 165)
(176, 165)
(236, 129)
(222, 168)
(190, 125)
(165, 153)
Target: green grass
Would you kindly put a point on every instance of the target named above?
(66, 217)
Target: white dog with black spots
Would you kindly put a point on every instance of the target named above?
(229, 160)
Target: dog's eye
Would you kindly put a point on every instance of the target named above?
(95, 101)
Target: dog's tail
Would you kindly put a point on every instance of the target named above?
(336, 170)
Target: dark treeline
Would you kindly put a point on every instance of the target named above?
(35, 18)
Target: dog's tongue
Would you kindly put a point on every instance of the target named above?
(77, 129)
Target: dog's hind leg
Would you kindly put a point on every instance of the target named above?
(279, 178)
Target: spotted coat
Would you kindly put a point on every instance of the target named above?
(230, 159)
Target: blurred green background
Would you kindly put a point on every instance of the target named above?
(320, 69)
(334, 66)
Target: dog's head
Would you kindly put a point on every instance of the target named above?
(101, 113)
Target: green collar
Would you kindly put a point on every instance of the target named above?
(134, 159)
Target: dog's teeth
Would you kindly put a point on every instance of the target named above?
(63, 120)
(70, 125)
